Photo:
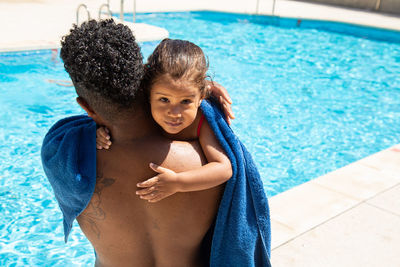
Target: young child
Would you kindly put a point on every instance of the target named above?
(175, 81)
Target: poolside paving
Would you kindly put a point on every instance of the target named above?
(39, 24)
(22, 30)
(362, 236)
(349, 217)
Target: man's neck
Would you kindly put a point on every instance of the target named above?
(133, 126)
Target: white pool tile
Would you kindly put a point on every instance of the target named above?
(389, 200)
(358, 181)
(363, 236)
(280, 234)
(387, 161)
(308, 205)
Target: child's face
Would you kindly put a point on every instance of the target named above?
(174, 104)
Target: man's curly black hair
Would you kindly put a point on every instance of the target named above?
(104, 62)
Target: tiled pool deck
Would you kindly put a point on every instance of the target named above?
(350, 217)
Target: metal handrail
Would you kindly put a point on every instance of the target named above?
(108, 9)
(258, 7)
(273, 8)
(77, 12)
(121, 13)
(378, 5)
(134, 11)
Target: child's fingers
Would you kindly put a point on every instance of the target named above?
(150, 196)
(227, 115)
(103, 144)
(224, 93)
(227, 109)
(103, 132)
(157, 168)
(218, 90)
(156, 199)
(149, 182)
(145, 191)
(103, 139)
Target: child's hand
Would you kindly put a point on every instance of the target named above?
(225, 100)
(160, 186)
(102, 138)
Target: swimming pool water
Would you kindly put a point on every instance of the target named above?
(307, 102)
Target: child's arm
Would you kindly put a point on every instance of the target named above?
(167, 182)
(217, 171)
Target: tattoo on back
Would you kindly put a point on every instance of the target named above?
(94, 212)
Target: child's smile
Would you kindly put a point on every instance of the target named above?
(174, 104)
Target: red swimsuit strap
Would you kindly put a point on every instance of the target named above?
(200, 124)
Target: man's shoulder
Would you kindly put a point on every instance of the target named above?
(64, 125)
(66, 137)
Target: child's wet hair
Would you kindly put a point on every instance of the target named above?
(177, 59)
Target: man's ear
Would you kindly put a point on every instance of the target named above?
(91, 113)
(82, 102)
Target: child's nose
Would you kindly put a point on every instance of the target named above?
(175, 111)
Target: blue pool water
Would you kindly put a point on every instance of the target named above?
(307, 102)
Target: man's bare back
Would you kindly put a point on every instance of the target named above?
(106, 67)
(128, 231)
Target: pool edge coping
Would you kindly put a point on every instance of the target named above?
(369, 177)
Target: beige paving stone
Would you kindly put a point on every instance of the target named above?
(308, 205)
(389, 200)
(363, 236)
(387, 161)
(41, 24)
(32, 45)
(300, 9)
(27, 22)
(280, 234)
(357, 181)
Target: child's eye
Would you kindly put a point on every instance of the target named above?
(186, 101)
(164, 99)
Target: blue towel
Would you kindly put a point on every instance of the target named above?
(242, 234)
(69, 162)
(242, 229)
